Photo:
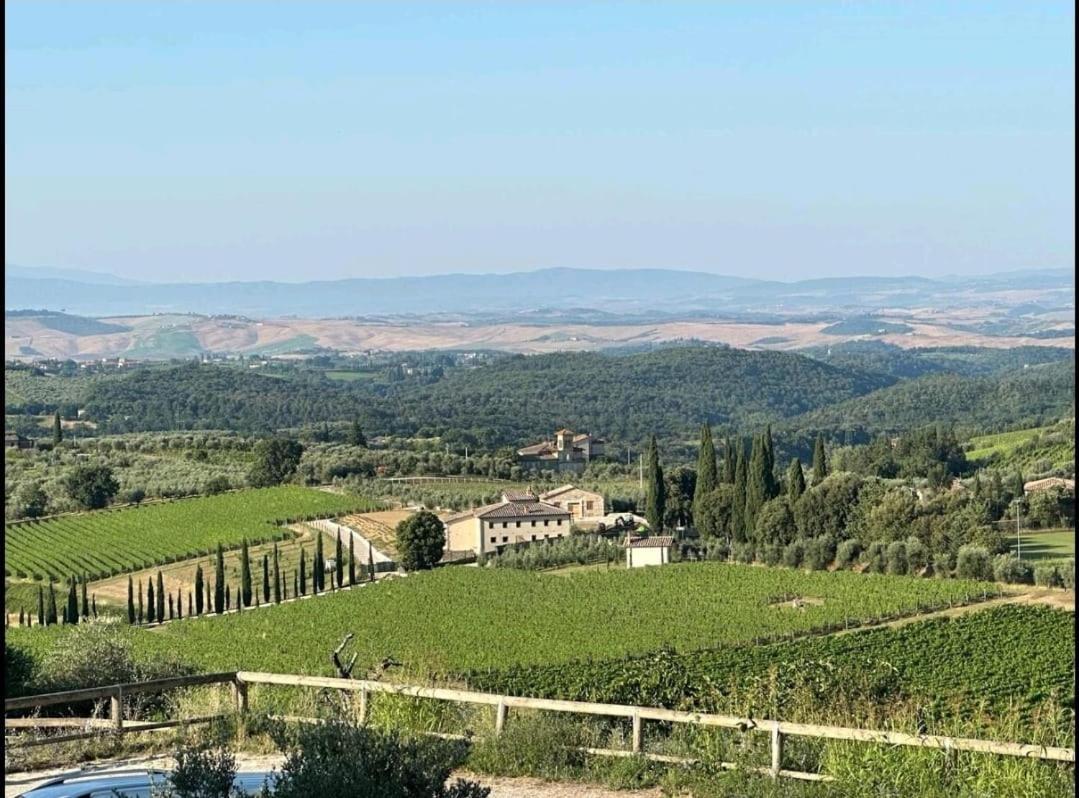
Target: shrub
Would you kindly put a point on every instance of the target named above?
(771, 554)
(874, 558)
(1067, 572)
(896, 558)
(942, 564)
(847, 553)
(420, 541)
(794, 554)
(743, 552)
(973, 562)
(819, 552)
(1048, 576)
(344, 760)
(201, 772)
(1011, 569)
(917, 556)
(532, 745)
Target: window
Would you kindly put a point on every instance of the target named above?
(546, 521)
(533, 523)
(505, 524)
(588, 505)
(533, 537)
(518, 524)
(494, 539)
(505, 539)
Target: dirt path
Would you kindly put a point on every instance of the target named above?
(17, 783)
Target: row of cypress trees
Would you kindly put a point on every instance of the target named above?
(752, 474)
(70, 613)
(201, 599)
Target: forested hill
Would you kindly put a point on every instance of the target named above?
(1026, 397)
(515, 399)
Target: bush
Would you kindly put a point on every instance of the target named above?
(542, 746)
(942, 564)
(420, 541)
(1011, 569)
(344, 760)
(896, 558)
(794, 554)
(743, 552)
(771, 554)
(1048, 576)
(847, 553)
(1067, 572)
(201, 772)
(973, 562)
(874, 558)
(819, 552)
(917, 556)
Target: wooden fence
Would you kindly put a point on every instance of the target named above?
(241, 680)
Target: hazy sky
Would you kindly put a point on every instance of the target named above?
(252, 140)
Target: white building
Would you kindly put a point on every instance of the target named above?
(649, 551)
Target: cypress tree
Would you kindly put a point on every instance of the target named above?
(160, 598)
(339, 561)
(171, 608)
(276, 576)
(85, 601)
(151, 602)
(228, 598)
(738, 509)
(655, 496)
(302, 590)
(180, 602)
(796, 481)
(265, 579)
(756, 484)
(22, 617)
(63, 619)
(730, 460)
(72, 610)
(190, 605)
(245, 576)
(130, 600)
(93, 605)
(771, 484)
(351, 560)
(319, 573)
(706, 470)
(57, 429)
(239, 603)
(220, 588)
(370, 563)
(820, 465)
(41, 606)
(139, 616)
(198, 590)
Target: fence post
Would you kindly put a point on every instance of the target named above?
(777, 751)
(636, 732)
(239, 692)
(500, 717)
(116, 708)
(363, 707)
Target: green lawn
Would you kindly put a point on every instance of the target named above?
(1046, 545)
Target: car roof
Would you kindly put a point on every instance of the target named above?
(80, 784)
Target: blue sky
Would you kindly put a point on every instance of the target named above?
(291, 141)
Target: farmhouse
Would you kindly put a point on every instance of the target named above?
(648, 551)
(520, 517)
(569, 451)
(14, 440)
(1047, 484)
(578, 502)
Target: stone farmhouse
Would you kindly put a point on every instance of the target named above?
(580, 503)
(1048, 483)
(520, 517)
(569, 451)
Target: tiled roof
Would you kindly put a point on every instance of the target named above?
(648, 543)
(556, 492)
(1049, 482)
(538, 449)
(518, 496)
(535, 509)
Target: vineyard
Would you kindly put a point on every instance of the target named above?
(454, 620)
(990, 661)
(108, 542)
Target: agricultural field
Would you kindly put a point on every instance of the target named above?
(108, 542)
(991, 661)
(378, 527)
(454, 620)
(1034, 450)
(1049, 544)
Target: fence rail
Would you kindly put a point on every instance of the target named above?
(240, 681)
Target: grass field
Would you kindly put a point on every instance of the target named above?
(108, 542)
(1037, 448)
(459, 619)
(1050, 544)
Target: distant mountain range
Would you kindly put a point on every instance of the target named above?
(616, 293)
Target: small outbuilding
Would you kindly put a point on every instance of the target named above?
(649, 551)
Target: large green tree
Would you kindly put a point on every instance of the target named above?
(130, 600)
(717, 509)
(738, 513)
(160, 597)
(92, 486)
(57, 429)
(796, 481)
(730, 461)
(707, 476)
(219, 581)
(421, 539)
(276, 460)
(244, 599)
(199, 589)
(655, 490)
(756, 481)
